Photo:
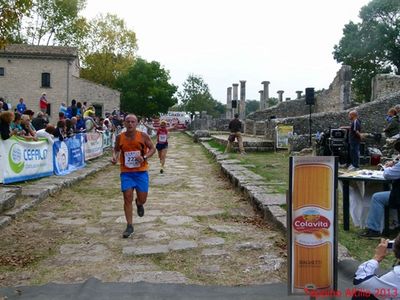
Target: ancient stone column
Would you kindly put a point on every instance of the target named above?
(235, 97)
(265, 93)
(280, 95)
(229, 103)
(242, 99)
(299, 94)
(262, 107)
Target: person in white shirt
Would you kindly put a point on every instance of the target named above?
(386, 286)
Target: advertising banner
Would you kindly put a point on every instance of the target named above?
(282, 133)
(68, 155)
(24, 160)
(93, 145)
(312, 223)
(106, 139)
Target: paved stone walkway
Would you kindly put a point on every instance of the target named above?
(197, 230)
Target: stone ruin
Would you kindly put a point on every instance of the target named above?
(330, 110)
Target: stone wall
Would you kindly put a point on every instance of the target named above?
(23, 79)
(384, 84)
(372, 116)
(93, 93)
(336, 98)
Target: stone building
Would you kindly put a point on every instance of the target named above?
(27, 71)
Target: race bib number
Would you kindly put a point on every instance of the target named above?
(130, 159)
(162, 138)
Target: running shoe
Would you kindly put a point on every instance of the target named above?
(140, 209)
(128, 231)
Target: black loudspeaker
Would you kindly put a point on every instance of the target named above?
(234, 104)
(310, 97)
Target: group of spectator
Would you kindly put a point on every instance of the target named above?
(76, 118)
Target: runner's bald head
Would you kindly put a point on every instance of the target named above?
(131, 116)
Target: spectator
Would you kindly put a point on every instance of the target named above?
(392, 128)
(70, 127)
(79, 109)
(72, 110)
(43, 103)
(16, 124)
(379, 200)
(6, 118)
(21, 107)
(26, 125)
(3, 104)
(90, 123)
(235, 127)
(354, 140)
(39, 122)
(89, 112)
(365, 278)
(63, 108)
(47, 133)
(80, 124)
(61, 130)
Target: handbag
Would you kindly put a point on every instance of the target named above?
(231, 138)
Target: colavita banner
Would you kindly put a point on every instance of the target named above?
(23, 160)
(312, 224)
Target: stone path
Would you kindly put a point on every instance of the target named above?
(196, 229)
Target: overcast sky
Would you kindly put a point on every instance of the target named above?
(287, 42)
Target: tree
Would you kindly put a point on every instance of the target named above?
(108, 50)
(252, 106)
(196, 96)
(51, 22)
(11, 13)
(145, 89)
(372, 46)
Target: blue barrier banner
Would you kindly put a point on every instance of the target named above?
(68, 155)
(23, 160)
(76, 152)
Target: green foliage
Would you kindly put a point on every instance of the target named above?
(196, 96)
(252, 106)
(272, 101)
(108, 50)
(145, 89)
(51, 22)
(11, 13)
(372, 46)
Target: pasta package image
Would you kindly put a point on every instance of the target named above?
(312, 218)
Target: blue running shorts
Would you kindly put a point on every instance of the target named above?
(135, 180)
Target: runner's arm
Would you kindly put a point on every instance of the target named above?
(149, 144)
(116, 151)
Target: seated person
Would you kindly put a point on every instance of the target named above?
(391, 171)
(6, 118)
(392, 128)
(80, 124)
(365, 278)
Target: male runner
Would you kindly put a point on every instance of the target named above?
(134, 148)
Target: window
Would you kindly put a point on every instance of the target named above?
(1, 71)
(45, 79)
(98, 109)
